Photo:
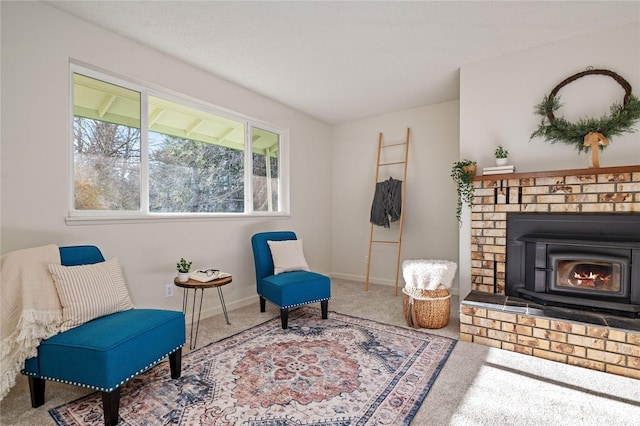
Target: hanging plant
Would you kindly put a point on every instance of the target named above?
(587, 132)
(462, 173)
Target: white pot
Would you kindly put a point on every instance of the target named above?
(501, 161)
(183, 277)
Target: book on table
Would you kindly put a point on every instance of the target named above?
(206, 275)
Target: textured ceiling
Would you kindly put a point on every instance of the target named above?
(341, 61)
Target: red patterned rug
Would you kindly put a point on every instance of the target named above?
(340, 371)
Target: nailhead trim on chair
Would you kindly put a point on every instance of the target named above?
(104, 389)
(305, 303)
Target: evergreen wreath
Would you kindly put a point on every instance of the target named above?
(621, 119)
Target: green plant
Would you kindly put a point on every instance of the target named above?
(500, 152)
(462, 174)
(183, 265)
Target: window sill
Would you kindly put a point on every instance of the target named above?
(163, 218)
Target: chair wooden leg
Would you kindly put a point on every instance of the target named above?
(175, 362)
(263, 304)
(36, 388)
(324, 306)
(284, 317)
(111, 405)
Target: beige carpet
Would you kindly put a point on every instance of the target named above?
(477, 386)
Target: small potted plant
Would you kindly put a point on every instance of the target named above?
(463, 173)
(502, 156)
(183, 269)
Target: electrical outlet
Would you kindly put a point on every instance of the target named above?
(168, 291)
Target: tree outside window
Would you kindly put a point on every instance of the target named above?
(190, 159)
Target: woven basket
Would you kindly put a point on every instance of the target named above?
(426, 308)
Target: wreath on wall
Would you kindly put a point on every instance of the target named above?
(588, 133)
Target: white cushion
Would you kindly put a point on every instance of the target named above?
(287, 256)
(90, 291)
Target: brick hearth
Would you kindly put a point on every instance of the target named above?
(518, 325)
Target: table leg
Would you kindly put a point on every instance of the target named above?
(185, 292)
(185, 303)
(199, 311)
(224, 308)
(193, 317)
(185, 306)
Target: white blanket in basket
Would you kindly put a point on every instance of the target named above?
(428, 274)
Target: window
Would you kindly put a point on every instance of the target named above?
(265, 169)
(138, 152)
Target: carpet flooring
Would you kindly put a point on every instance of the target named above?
(339, 371)
(478, 385)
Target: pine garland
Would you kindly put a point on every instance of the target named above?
(621, 119)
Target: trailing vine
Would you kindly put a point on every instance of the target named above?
(462, 173)
(621, 119)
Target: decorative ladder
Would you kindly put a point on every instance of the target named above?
(398, 242)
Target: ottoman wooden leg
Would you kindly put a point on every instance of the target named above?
(324, 306)
(111, 404)
(175, 362)
(284, 318)
(36, 388)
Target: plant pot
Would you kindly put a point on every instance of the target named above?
(183, 277)
(501, 161)
(470, 169)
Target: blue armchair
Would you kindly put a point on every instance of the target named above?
(106, 352)
(288, 289)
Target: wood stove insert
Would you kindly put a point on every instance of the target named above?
(583, 261)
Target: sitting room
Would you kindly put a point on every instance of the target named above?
(168, 135)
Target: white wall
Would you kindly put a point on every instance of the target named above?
(331, 195)
(430, 225)
(37, 44)
(497, 98)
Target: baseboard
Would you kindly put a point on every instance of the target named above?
(381, 281)
(217, 309)
(360, 279)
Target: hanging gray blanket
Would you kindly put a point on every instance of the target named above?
(387, 202)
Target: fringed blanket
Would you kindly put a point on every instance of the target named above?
(31, 309)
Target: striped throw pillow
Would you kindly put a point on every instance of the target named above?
(90, 291)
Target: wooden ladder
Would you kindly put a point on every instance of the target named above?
(398, 242)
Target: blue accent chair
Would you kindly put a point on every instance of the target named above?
(288, 289)
(103, 354)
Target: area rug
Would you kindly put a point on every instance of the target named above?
(339, 371)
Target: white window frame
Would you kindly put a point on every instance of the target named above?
(109, 216)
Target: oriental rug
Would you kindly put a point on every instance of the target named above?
(339, 371)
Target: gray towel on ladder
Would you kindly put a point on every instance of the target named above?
(387, 202)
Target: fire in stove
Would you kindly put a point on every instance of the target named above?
(590, 275)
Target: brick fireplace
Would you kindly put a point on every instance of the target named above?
(601, 341)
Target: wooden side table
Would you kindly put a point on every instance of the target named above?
(195, 286)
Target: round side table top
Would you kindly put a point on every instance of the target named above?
(218, 282)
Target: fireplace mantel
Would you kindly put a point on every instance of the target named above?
(569, 172)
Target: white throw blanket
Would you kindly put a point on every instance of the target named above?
(31, 308)
(428, 274)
